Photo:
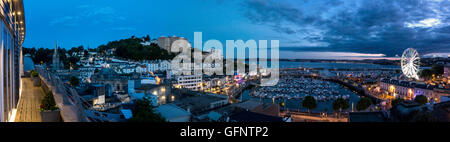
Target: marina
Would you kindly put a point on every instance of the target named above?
(292, 91)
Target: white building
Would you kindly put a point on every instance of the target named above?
(128, 70)
(192, 82)
(141, 69)
(158, 65)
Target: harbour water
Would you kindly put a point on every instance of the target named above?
(296, 103)
(322, 106)
(287, 64)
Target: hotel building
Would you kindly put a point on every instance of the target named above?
(12, 36)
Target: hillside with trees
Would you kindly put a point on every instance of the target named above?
(132, 49)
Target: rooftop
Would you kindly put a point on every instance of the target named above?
(172, 111)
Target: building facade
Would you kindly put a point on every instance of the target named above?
(110, 78)
(192, 82)
(409, 90)
(12, 36)
(447, 71)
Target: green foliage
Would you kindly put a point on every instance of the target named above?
(421, 99)
(426, 74)
(309, 103)
(41, 55)
(48, 103)
(133, 49)
(340, 104)
(34, 73)
(437, 69)
(143, 112)
(281, 104)
(73, 61)
(363, 104)
(396, 102)
(74, 81)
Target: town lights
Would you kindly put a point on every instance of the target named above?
(410, 92)
(392, 89)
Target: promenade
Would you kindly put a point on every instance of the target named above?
(312, 117)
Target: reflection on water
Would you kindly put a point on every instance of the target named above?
(286, 64)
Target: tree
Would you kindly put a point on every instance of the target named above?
(421, 99)
(42, 55)
(437, 69)
(363, 104)
(143, 112)
(340, 104)
(133, 49)
(396, 102)
(281, 104)
(426, 74)
(73, 62)
(309, 103)
(74, 81)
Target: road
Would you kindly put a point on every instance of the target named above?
(28, 109)
(302, 117)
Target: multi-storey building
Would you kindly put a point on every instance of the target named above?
(409, 90)
(192, 82)
(12, 36)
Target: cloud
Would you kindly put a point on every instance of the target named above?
(93, 15)
(427, 23)
(363, 26)
(67, 20)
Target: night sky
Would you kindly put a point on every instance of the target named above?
(305, 28)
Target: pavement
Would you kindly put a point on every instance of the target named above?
(304, 117)
(29, 103)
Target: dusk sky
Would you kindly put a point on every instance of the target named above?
(305, 28)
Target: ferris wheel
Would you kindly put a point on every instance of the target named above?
(410, 63)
